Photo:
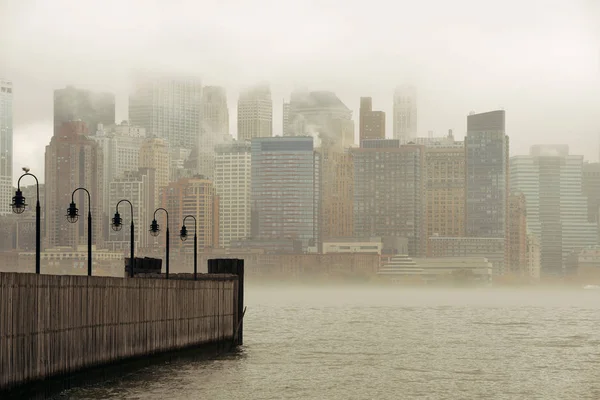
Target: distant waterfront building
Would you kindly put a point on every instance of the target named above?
(389, 192)
(285, 199)
(445, 269)
(232, 183)
(591, 189)
(255, 113)
(491, 248)
(516, 247)
(445, 188)
(154, 153)
(93, 108)
(534, 258)
(137, 187)
(487, 162)
(352, 245)
(557, 209)
(6, 146)
(168, 108)
(72, 160)
(405, 113)
(323, 116)
(337, 193)
(286, 119)
(120, 146)
(372, 123)
(192, 196)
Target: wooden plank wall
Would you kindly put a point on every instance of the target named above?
(51, 325)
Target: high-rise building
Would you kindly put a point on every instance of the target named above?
(194, 196)
(154, 153)
(285, 182)
(6, 146)
(93, 108)
(516, 242)
(120, 145)
(232, 181)
(137, 187)
(323, 116)
(445, 189)
(486, 146)
(389, 192)
(372, 123)
(286, 119)
(168, 108)
(255, 113)
(405, 113)
(557, 212)
(591, 189)
(72, 160)
(337, 193)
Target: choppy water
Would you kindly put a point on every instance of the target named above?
(367, 343)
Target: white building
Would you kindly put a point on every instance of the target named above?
(255, 113)
(353, 245)
(232, 182)
(551, 180)
(431, 269)
(405, 113)
(168, 108)
(6, 146)
(120, 146)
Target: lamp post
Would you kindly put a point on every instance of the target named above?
(155, 230)
(73, 216)
(183, 236)
(117, 226)
(18, 207)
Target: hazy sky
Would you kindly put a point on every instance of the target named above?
(537, 59)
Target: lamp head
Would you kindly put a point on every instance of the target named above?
(154, 228)
(183, 233)
(72, 213)
(18, 203)
(117, 222)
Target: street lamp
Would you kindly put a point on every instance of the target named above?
(117, 225)
(18, 207)
(73, 216)
(155, 230)
(183, 235)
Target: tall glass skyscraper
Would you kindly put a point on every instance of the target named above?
(285, 195)
(6, 145)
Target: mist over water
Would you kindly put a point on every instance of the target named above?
(358, 342)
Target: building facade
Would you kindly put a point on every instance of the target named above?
(337, 193)
(255, 113)
(591, 189)
(389, 192)
(372, 123)
(557, 211)
(154, 153)
(167, 108)
(6, 146)
(405, 113)
(491, 248)
(516, 247)
(233, 185)
(486, 146)
(285, 182)
(72, 161)
(93, 108)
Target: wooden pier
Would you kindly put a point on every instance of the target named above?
(54, 325)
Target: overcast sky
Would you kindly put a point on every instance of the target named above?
(537, 59)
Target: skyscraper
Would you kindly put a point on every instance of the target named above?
(323, 116)
(286, 119)
(557, 214)
(372, 123)
(72, 161)
(516, 248)
(6, 146)
(405, 113)
(93, 108)
(337, 193)
(255, 113)
(486, 146)
(285, 189)
(389, 192)
(168, 108)
(154, 153)
(232, 181)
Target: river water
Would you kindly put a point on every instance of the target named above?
(391, 343)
